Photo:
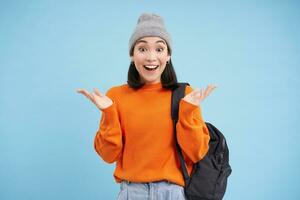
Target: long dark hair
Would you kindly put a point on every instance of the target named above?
(168, 77)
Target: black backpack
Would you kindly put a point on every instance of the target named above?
(208, 179)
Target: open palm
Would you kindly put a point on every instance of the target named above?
(99, 99)
(197, 95)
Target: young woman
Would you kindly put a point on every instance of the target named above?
(136, 127)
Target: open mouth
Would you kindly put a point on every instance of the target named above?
(151, 68)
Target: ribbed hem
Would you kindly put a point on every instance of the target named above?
(154, 86)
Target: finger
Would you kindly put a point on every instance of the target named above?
(202, 94)
(98, 92)
(210, 88)
(84, 92)
(92, 97)
(79, 90)
(207, 90)
(87, 94)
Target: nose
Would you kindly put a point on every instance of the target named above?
(151, 56)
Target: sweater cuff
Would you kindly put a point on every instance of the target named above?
(109, 109)
(189, 109)
(109, 116)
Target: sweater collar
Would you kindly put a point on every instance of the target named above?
(155, 86)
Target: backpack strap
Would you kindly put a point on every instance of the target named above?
(177, 95)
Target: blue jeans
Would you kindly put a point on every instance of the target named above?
(161, 190)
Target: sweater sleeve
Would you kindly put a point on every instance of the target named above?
(192, 133)
(108, 140)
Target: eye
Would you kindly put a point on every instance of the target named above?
(142, 49)
(159, 50)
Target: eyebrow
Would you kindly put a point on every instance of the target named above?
(144, 41)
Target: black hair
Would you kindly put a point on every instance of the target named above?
(168, 77)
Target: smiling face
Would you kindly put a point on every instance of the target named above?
(150, 55)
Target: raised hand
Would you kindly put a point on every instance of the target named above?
(99, 99)
(197, 95)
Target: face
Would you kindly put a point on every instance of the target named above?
(150, 55)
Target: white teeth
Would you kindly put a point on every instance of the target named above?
(151, 67)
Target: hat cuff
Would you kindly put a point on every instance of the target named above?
(150, 32)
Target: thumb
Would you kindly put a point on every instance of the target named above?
(194, 92)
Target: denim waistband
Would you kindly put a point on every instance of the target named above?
(163, 183)
(158, 190)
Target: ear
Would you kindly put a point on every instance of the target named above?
(169, 58)
(131, 58)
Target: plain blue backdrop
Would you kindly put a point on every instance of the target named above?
(48, 49)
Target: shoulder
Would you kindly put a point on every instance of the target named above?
(188, 89)
(117, 90)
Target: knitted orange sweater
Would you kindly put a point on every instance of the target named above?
(136, 131)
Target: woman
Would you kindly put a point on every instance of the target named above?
(136, 127)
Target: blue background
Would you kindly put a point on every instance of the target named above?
(48, 49)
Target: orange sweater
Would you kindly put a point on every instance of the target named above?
(136, 131)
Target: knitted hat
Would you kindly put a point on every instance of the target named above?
(150, 24)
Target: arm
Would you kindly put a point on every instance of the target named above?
(108, 140)
(192, 133)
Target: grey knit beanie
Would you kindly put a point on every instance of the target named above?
(150, 24)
